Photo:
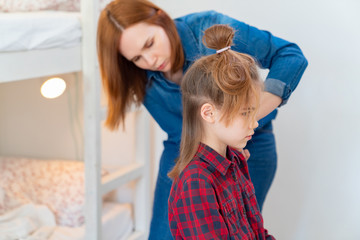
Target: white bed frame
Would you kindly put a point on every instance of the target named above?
(38, 63)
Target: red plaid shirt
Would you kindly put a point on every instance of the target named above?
(213, 198)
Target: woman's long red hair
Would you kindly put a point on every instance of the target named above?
(123, 82)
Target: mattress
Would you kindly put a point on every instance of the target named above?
(39, 30)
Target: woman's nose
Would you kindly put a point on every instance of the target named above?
(150, 59)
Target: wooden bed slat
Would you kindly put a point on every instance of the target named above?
(39, 63)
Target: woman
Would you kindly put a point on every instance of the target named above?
(143, 55)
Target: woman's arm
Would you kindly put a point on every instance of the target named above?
(284, 59)
(268, 102)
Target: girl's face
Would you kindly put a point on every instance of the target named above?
(237, 133)
(147, 46)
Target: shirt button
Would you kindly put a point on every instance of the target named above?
(244, 212)
(234, 178)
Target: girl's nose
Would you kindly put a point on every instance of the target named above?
(254, 124)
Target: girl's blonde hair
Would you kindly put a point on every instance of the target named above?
(123, 82)
(229, 80)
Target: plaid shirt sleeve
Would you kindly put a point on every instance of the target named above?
(194, 212)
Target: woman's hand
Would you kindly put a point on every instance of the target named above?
(246, 154)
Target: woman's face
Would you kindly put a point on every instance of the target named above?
(147, 46)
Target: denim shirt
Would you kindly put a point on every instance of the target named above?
(284, 60)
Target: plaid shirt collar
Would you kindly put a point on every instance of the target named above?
(212, 157)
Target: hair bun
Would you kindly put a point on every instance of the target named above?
(218, 36)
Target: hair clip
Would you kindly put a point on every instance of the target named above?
(113, 20)
(223, 49)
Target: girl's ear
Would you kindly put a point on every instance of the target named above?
(208, 112)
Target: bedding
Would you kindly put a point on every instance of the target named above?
(30, 221)
(39, 5)
(39, 30)
(27, 220)
(117, 224)
(57, 184)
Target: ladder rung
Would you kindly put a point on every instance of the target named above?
(120, 177)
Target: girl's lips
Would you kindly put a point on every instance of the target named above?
(249, 137)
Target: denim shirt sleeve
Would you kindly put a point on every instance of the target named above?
(285, 60)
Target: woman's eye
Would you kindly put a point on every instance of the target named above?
(244, 114)
(150, 43)
(135, 59)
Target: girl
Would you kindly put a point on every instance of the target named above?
(212, 196)
(143, 55)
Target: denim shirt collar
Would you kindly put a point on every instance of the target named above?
(190, 47)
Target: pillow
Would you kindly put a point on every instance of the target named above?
(39, 5)
(58, 184)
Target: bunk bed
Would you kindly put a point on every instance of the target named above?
(32, 60)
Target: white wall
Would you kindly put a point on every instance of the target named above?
(316, 193)
(37, 127)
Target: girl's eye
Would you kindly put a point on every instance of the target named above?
(247, 112)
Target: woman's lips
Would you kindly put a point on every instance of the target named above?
(162, 66)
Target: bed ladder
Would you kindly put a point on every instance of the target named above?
(95, 186)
